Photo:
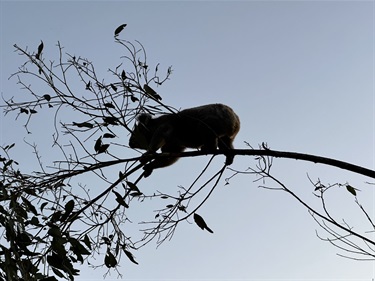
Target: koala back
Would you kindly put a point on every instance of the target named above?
(196, 126)
(193, 128)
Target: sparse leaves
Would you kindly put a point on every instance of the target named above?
(87, 113)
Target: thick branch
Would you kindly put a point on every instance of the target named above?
(285, 154)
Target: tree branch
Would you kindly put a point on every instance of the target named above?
(284, 154)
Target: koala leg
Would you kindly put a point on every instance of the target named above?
(210, 145)
(158, 163)
(226, 144)
(146, 157)
(163, 162)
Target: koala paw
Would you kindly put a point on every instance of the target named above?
(229, 159)
(147, 170)
(146, 157)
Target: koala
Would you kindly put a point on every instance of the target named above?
(206, 127)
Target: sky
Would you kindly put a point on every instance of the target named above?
(299, 74)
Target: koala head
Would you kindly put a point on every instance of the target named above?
(142, 132)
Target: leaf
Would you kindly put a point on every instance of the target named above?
(54, 231)
(170, 206)
(9, 146)
(88, 85)
(182, 208)
(103, 148)
(109, 105)
(23, 239)
(29, 206)
(351, 189)
(24, 110)
(201, 223)
(58, 272)
(110, 120)
(32, 111)
(151, 92)
(3, 211)
(130, 256)
(87, 241)
(43, 205)
(132, 186)
(55, 261)
(113, 87)
(69, 206)
(110, 260)
(35, 221)
(169, 70)
(123, 75)
(7, 164)
(83, 125)
(319, 186)
(56, 216)
(136, 194)
(98, 144)
(50, 278)
(119, 29)
(47, 97)
(120, 199)
(78, 248)
(108, 136)
(134, 99)
(40, 49)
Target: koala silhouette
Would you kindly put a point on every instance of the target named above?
(206, 127)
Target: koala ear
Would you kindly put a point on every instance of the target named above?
(144, 118)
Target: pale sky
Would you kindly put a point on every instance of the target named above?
(300, 75)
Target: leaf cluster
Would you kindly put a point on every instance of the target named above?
(52, 222)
